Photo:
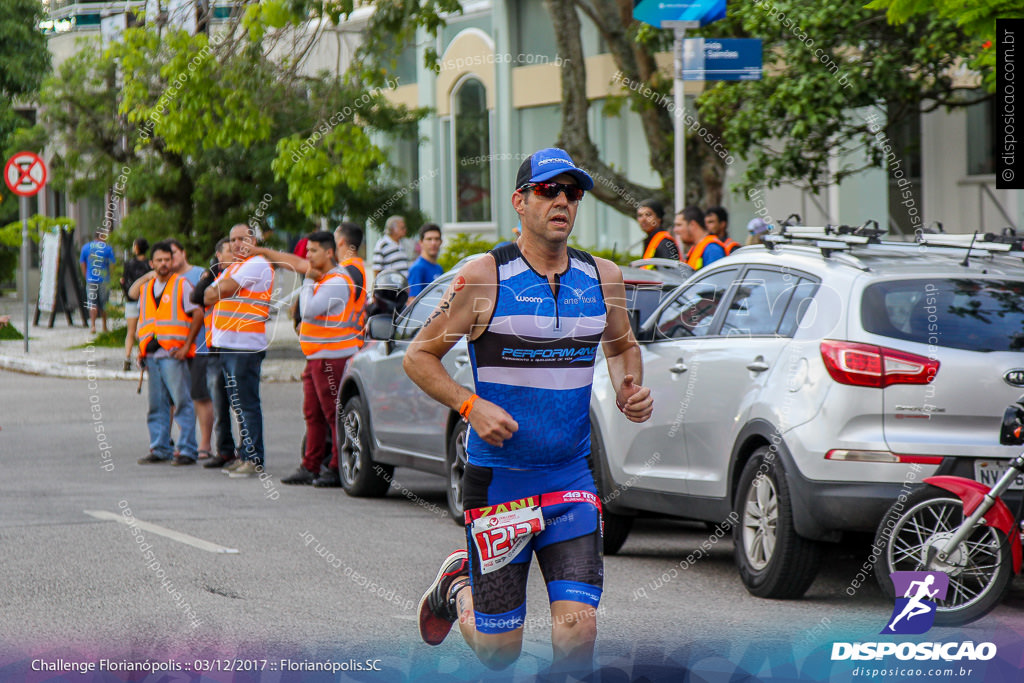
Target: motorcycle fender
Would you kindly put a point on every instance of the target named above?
(972, 493)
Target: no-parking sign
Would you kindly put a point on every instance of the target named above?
(25, 174)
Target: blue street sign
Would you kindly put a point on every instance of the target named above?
(722, 59)
(654, 12)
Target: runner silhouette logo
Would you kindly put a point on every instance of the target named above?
(914, 612)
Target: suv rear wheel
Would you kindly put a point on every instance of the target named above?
(774, 562)
(360, 476)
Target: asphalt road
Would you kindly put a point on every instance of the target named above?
(319, 576)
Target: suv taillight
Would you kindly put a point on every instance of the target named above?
(867, 365)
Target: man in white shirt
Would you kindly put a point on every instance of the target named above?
(389, 254)
(241, 299)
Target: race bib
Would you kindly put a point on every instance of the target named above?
(500, 532)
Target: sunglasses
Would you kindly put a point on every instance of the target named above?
(551, 190)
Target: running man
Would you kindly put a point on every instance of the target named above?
(534, 312)
(914, 606)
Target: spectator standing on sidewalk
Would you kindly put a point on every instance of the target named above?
(758, 228)
(221, 432)
(165, 321)
(389, 253)
(134, 268)
(658, 243)
(716, 220)
(329, 334)
(241, 299)
(706, 247)
(96, 260)
(198, 388)
(426, 269)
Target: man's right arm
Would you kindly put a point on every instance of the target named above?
(136, 289)
(468, 300)
(282, 258)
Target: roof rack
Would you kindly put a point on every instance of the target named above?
(989, 242)
(828, 239)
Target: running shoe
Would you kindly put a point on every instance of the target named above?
(437, 610)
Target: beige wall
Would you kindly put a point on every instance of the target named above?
(471, 53)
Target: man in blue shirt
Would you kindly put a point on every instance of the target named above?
(426, 268)
(707, 248)
(97, 259)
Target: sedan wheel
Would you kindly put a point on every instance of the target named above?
(360, 476)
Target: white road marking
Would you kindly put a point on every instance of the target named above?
(163, 531)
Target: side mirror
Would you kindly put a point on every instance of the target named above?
(380, 327)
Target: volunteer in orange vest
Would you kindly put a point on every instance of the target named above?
(716, 220)
(165, 322)
(706, 247)
(348, 237)
(329, 334)
(241, 298)
(659, 243)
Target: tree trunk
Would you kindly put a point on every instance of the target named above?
(610, 186)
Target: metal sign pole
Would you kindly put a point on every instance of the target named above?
(680, 130)
(679, 95)
(25, 252)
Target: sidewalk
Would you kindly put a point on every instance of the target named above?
(52, 352)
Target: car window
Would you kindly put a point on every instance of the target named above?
(799, 303)
(412, 318)
(958, 313)
(758, 302)
(691, 311)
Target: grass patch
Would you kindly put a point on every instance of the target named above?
(10, 332)
(113, 339)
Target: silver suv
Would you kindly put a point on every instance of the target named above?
(801, 385)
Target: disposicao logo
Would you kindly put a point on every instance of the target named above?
(914, 612)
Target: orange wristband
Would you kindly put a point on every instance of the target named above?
(467, 407)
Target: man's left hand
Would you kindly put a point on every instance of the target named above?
(179, 353)
(635, 401)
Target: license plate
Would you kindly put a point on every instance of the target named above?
(988, 472)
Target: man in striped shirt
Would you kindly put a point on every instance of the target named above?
(389, 254)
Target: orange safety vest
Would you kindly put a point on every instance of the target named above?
(246, 312)
(658, 238)
(695, 257)
(730, 245)
(358, 263)
(166, 319)
(333, 331)
(208, 321)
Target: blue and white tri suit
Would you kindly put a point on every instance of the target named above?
(536, 361)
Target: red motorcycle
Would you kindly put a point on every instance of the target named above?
(962, 528)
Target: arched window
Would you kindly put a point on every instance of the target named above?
(472, 137)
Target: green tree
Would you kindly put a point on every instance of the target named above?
(201, 132)
(24, 62)
(826, 64)
(976, 18)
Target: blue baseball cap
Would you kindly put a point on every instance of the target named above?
(548, 163)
